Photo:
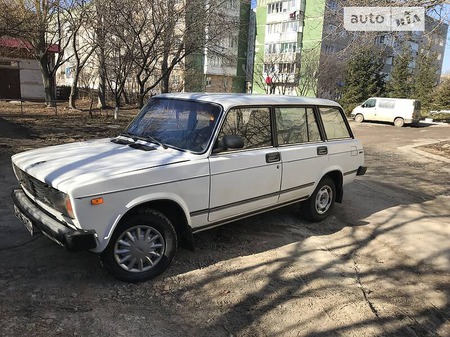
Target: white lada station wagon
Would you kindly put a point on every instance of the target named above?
(186, 163)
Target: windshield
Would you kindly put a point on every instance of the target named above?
(181, 124)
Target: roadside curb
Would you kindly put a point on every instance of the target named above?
(413, 148)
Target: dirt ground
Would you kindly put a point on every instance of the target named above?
(379, 266)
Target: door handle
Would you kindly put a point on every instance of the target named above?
(273, 157)
(322, 150)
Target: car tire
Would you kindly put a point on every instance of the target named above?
(399, 122)
(142, 246)
(359, 118)
(320, 204)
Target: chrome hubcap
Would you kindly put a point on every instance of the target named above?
(324, 199)
(139, 249)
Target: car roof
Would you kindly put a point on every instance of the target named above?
(231, 100)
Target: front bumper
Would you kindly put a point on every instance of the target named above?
(71, 239)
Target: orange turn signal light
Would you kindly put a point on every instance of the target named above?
(97, 201)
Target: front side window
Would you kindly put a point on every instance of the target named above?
(296, 125)
(334, 123)
(370, 103)
(181, 124)
(252, 124)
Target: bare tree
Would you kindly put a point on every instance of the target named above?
(83, 44)
(40, 25)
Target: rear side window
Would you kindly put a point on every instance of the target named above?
(252, 124)
(334, 123)
(296, 125)
(386, 104)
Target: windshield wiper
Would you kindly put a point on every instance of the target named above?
(140, 146)
(147, 138)
(153, 140)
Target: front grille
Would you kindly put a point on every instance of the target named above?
(37, 188)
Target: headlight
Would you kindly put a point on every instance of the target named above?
(60, 202)
(45, 193)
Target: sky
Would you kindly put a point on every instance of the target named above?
(446, 63)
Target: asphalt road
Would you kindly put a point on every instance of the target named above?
(380, 266)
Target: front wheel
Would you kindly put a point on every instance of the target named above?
(359, 118)
(321, 202)
(142, 247)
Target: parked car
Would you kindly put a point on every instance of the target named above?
(399, 111)
(186, 163)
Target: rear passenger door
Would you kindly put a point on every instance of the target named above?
(303, 151)
(245, 180)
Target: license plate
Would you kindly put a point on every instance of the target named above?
(24, 219)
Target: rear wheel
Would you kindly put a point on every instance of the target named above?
(142, 247)
(359, 118)
(399, 122)
(321, 202)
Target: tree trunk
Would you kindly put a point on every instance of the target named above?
(102, 79)
(165, 83)
(74, 90)
(164, 67)
(125, 98)
(117, 107)
(141, 94)
(48, 82)
(141, 98)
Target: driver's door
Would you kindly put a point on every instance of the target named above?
(370, 109)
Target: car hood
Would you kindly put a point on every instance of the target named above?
(70, 165)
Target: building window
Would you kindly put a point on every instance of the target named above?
(288, 47)
(208, 81)
(290, 26)
(286, 68)
(215, 61)
(276, 7)
(329, 49)
(269, 68)
(380, 40)
(272, 48)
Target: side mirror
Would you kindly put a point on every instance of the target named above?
(229, 142)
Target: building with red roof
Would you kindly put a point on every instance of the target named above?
(20, 74)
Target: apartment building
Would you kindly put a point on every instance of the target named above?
(222, 67)
(301, 46)
(288, 33)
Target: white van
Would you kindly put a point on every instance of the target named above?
(399, 111)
